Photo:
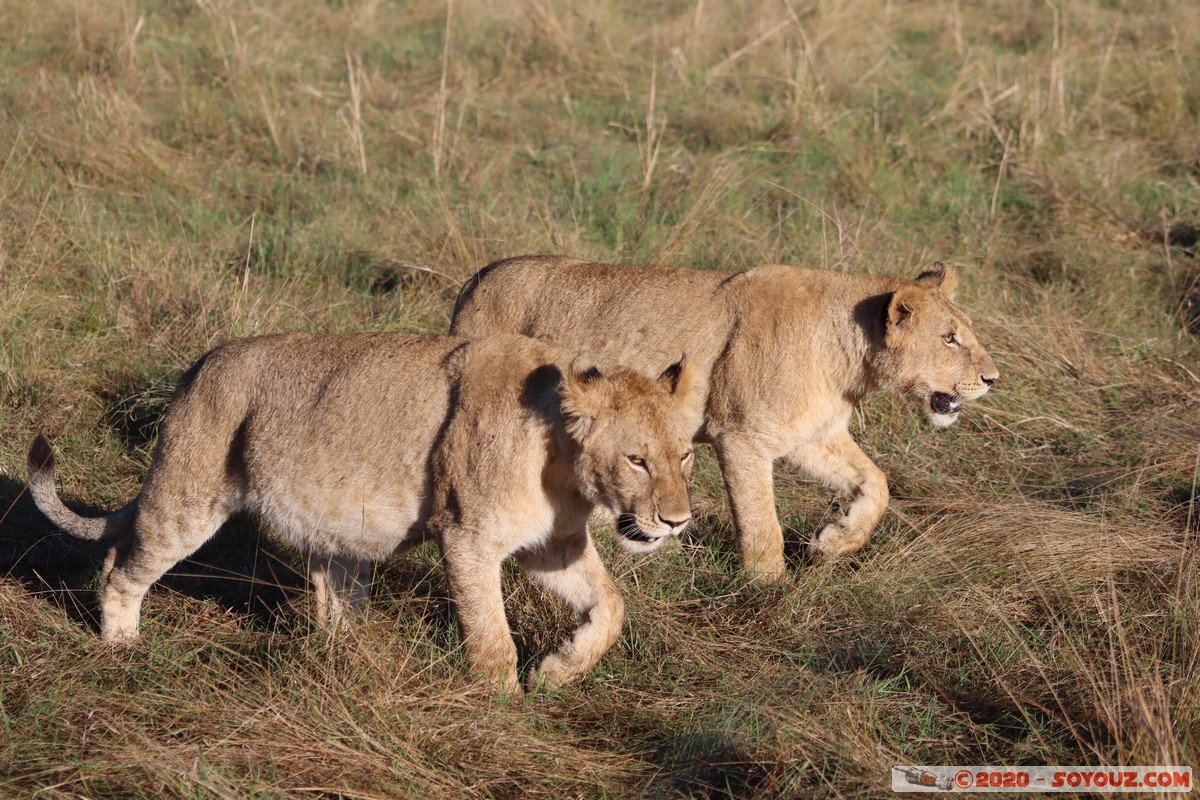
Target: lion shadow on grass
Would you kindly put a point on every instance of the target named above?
(710, 765)
(239, 569)
(231, 569)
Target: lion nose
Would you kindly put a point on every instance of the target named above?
(987, 380)
(673, 524)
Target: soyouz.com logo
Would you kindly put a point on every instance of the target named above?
(1041, 779)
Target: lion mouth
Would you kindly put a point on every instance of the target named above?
(945, 404)
(627, 526)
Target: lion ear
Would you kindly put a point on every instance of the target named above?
(903, 308)
(679, 377)
(584, 394)
(940, 276)
(686, 386)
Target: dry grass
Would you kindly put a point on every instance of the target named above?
(175, 173)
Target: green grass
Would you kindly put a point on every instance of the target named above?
(174, 174)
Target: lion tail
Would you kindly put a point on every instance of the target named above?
(45, 496)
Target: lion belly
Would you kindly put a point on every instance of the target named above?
(366, 522)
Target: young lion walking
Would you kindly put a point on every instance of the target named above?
(351, 446)
(784, 354)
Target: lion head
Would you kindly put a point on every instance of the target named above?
(930, 351)
(635, 457)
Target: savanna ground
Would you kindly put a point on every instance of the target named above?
(175, 173)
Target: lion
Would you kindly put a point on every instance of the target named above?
(783, 355)
(351, 447)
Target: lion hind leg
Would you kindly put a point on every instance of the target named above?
(840, 464)
(340, 584)
(571, 568)
(161, 539)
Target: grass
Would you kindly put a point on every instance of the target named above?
(175, 173)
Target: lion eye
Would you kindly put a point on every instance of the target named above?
(637, 461)
(951, 340)
(686, 456)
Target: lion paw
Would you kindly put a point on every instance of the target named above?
(552, 673)
(833, 540)
(817, 554)
(767, 570)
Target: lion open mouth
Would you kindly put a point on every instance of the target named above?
(627, 526)
(943, 403)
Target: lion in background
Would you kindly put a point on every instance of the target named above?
(352, 446)
(784, 355)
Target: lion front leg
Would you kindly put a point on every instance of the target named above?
(571, 568)
(748, 470)
(840, 464)
(475, 587)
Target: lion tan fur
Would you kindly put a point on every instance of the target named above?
(352, 446)
(783, 354)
